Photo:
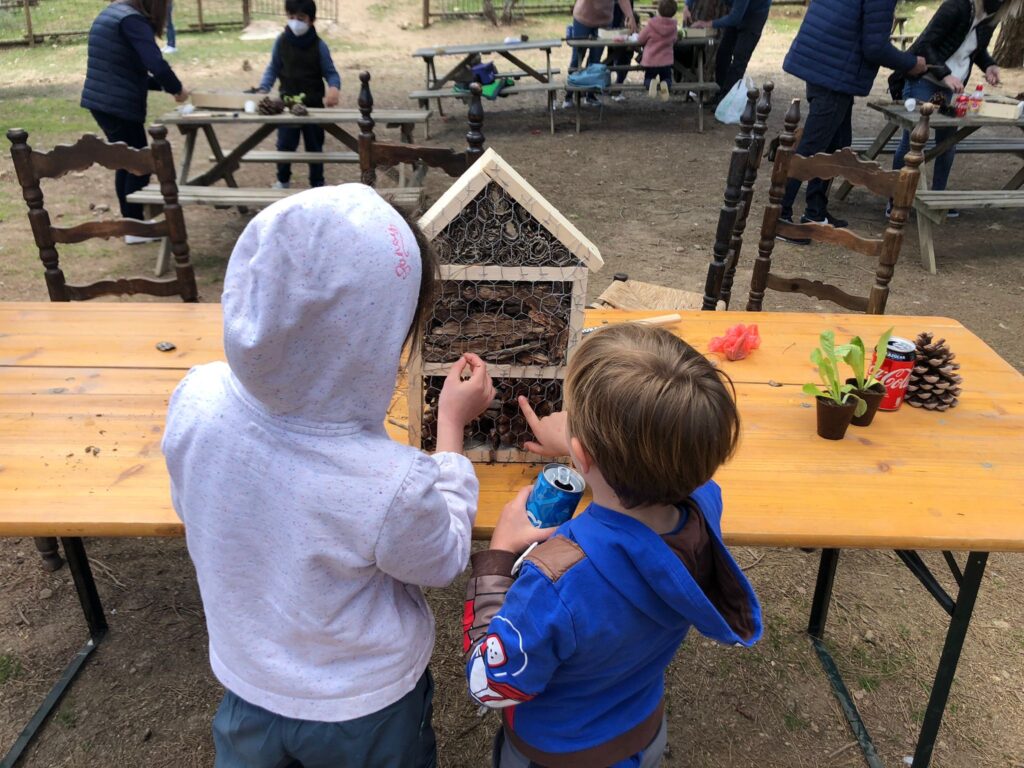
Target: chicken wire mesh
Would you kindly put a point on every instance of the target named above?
(496, 230)
(505, 322)
(501, 432)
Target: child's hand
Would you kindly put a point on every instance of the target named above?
(550, 431)
(514, 531)
(333, 95)
(462, 400)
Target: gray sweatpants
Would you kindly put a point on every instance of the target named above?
(507, 756)
(401, 734)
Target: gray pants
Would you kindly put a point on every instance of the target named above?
(507, 756)
(401, 734)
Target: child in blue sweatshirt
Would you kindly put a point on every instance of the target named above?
(573, 651)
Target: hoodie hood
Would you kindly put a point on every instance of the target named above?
(318, 298)
(663, 25)
(687, 577)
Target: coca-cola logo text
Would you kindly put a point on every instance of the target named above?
(896, 378)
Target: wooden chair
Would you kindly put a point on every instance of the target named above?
(624, 293)
(374, 155)
(744, 164)
(900, 186)
(32, 166)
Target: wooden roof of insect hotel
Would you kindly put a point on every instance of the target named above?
(492, 169)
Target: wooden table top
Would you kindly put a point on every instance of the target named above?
(611, 42)
(78, 376)
(316, 116)
(462, 50)
(896, 112)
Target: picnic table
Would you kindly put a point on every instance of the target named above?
(437, 87)
(701, 87)
(82, 376)
(932, 205)
(199, 189)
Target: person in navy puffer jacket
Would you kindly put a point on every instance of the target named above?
(837, 52)
(124, 64)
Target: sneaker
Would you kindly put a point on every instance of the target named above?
(952, 213)
(829, 219)
(664, 93)
(619, 97)
(793, 240)
(139, 240)
(281, 185)
(652, 89)
(567, 104)
(592, 101)
(168, 49)
(888, 208)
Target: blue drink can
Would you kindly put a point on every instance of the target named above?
(555, 496)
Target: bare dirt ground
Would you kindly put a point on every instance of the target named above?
(646, 188)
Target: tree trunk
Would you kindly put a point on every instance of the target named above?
(506, 12)
(1009, 50)
(488, 12)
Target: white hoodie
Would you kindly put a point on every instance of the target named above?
(311, 531)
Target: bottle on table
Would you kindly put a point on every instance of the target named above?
(977, 98)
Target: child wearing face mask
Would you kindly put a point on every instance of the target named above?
(302, 62)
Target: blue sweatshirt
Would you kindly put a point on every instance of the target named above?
(740, 11)
(273, 70)
(576, 655)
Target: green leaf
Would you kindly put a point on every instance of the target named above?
(881, 349)
(814, 391)
(855, 359)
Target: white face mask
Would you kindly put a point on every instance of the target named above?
(298, 28)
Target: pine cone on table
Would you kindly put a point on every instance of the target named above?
(270, 106)
(299, 109)
(934, 382)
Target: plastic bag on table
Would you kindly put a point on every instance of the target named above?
(730, 108)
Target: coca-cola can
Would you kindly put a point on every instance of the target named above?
(895, 372)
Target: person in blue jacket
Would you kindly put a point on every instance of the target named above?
(573, 652)
(124, 64)
(741, 31)
(837, 52)
(302, 62)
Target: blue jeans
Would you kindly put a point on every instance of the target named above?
(582, 32)
(922, 90)
(171, 38)
(401, 734)
(828, 128)
(288, 141)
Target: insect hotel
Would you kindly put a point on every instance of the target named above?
(513, 290)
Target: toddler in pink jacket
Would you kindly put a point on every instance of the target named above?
(658, 38)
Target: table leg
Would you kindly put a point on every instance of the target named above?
(816, 629)
(78, 564)
(1017, 181)
(186, 159)
(871, 153)
(965, 600)
(232, 160)
(924, 229)
(701, 53)
(48, 551)
(551, 96)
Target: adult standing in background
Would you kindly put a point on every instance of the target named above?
(171, 38)
(588, 16)
(837, 52)
(742, 27)
(954, 41)
(124, 64)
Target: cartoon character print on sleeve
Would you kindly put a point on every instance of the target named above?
(486, 665)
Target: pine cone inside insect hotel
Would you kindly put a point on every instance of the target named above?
(270, 106)
(299, 110)
(934, 382)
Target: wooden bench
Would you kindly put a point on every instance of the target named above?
(932, 205)
(969, 146)
(407, 198)
(512, 90)
(679, 90)
(903, 41)
(272, 156)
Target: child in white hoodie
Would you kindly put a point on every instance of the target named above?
(311, 531)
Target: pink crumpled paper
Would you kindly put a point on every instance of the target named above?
(738, 342)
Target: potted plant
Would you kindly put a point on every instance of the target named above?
(837, 402)
(865, 380)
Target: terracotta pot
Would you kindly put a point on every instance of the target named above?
(833, 419)
(873, 397)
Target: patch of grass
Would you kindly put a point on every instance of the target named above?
(52, 117)
(868, 682)
(10, 668)
(66, 717)
(794, 722)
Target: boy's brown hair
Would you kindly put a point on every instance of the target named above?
(668, 8)
(654, 414)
